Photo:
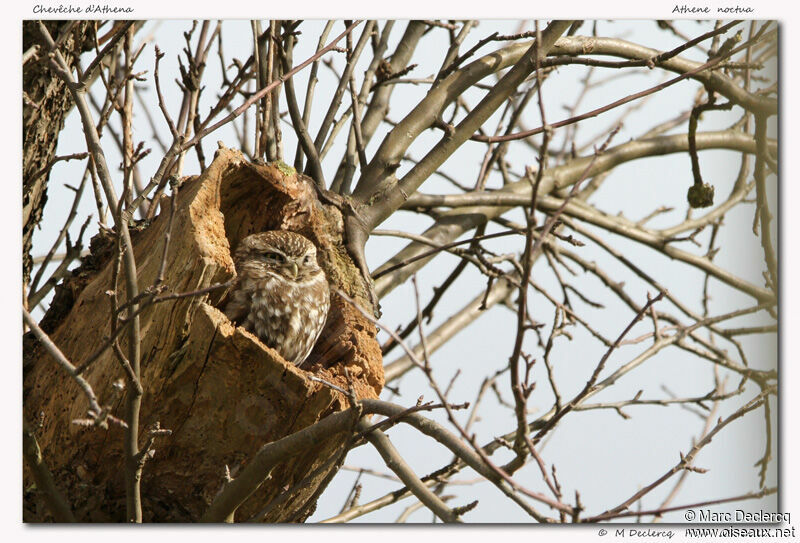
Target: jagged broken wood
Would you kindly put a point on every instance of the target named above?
(221, 391)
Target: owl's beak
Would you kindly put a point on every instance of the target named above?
(293, 266)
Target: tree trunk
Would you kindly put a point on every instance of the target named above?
(221, 391)
(44, 107)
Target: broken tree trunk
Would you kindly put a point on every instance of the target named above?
(221, 392)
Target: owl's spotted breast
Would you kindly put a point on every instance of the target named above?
(281, 294)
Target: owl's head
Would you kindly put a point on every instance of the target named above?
(276, 252)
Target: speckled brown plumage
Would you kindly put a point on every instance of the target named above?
(281, 294)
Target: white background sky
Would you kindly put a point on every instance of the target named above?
(565, 454)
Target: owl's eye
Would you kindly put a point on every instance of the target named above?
(307, 260)
(273, 257)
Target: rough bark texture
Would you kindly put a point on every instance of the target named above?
(221, 392)
(43, 113)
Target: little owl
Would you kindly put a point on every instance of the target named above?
(281, 294)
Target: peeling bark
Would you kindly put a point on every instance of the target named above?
(46, 105)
